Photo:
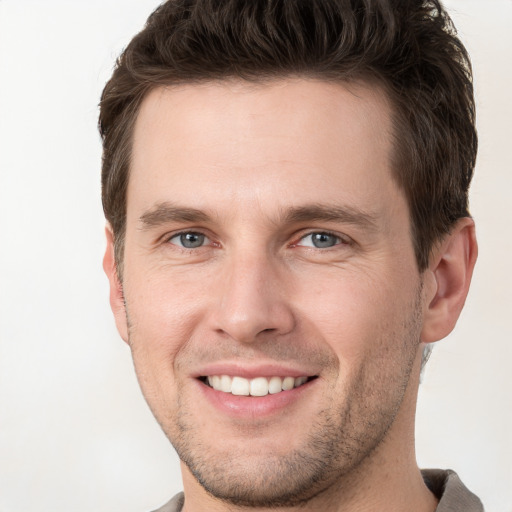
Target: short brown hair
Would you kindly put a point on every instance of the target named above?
(409, 47)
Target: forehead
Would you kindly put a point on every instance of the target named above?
(288, 141)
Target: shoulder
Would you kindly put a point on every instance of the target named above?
(175, 505)
(452, 494)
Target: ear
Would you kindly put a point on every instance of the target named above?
(448, 278)
(116, 287)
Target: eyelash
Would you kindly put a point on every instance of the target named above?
(339, 240)
(184, 233)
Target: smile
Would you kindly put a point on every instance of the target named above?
(259, 386)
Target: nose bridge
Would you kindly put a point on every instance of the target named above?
(251, 298)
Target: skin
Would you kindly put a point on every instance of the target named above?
(243, 165)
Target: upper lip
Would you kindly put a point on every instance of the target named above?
(249, 371)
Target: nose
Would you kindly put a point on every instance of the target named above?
(252, 300)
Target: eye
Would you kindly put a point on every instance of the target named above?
(189, 240)
(320, 240)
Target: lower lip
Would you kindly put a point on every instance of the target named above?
(249, 406)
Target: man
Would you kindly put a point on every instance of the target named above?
(285, 185)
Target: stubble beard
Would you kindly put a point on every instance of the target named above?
(340, 441)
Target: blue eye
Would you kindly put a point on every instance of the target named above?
(189, 240)
(320, 240)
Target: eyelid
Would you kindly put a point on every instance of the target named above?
(342, 238)
(169, 236)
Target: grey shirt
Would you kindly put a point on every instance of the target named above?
(452, 494)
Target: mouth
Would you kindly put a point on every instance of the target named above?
(256, 387)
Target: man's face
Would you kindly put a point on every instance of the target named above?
(268, 247)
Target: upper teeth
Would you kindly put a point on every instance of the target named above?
(260, 386)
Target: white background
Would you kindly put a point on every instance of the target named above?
(75, 433)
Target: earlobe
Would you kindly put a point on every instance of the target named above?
(449, 274)
(116, 287)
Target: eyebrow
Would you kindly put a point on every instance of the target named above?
(167, 212)
(331, 213)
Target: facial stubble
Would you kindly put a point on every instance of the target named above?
(341, 439)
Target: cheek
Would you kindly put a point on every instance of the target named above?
(164, 305)
(163, 314)
(359, 315)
